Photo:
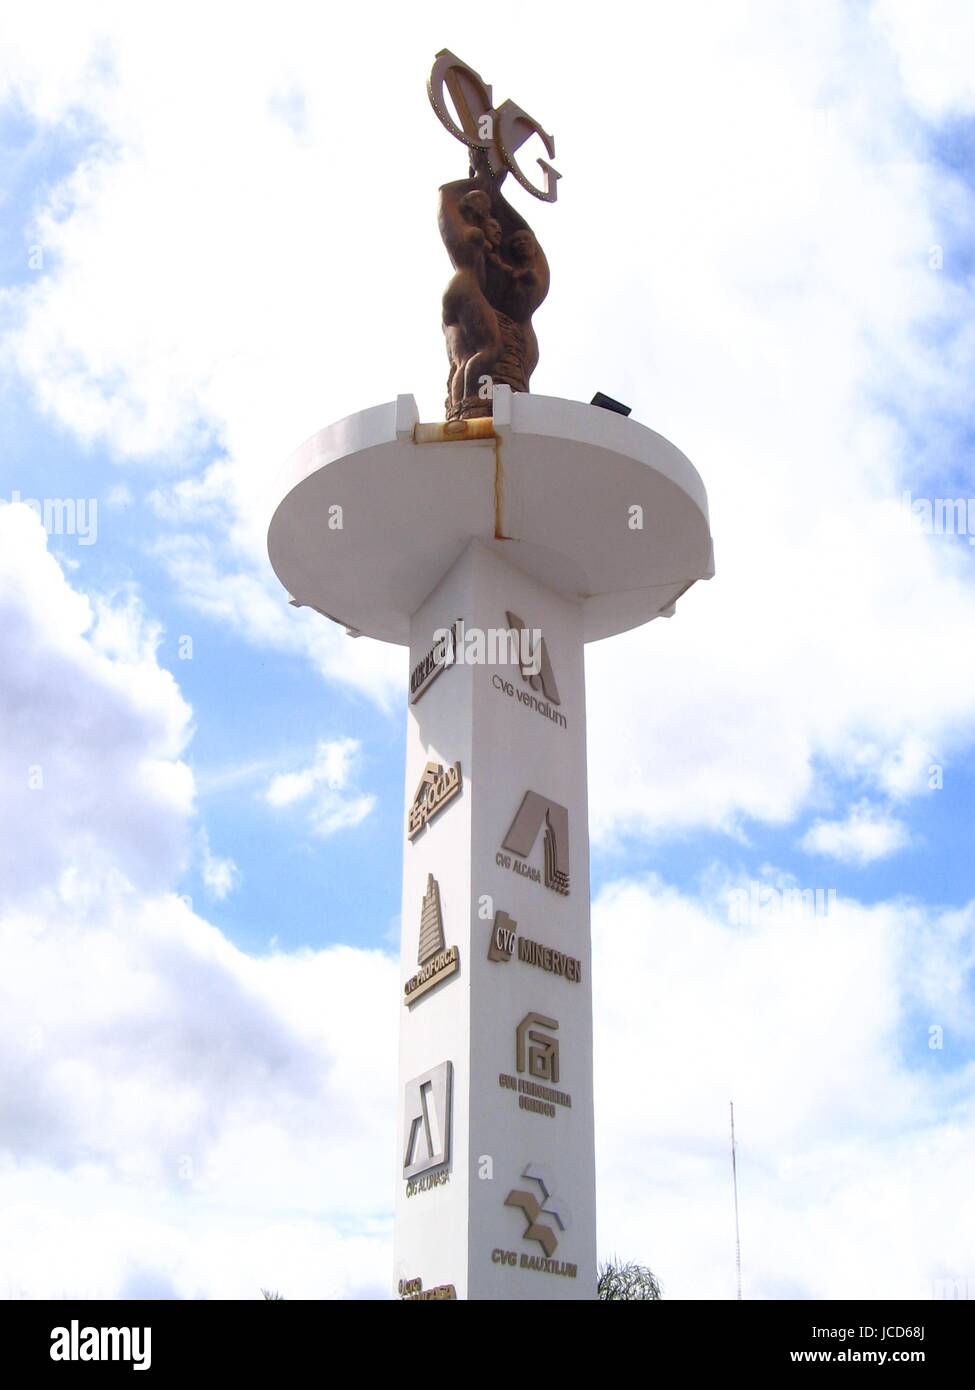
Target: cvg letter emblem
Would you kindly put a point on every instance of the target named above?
(499, 130)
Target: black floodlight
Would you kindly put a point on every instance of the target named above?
(607, 403)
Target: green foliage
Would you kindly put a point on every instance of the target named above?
(616, 1279)
(624, 1279)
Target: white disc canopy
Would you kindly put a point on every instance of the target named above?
(371, 512)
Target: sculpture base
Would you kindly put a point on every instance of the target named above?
(470, 408)
(370, 513)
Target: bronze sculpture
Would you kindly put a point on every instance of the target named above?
(501, 275)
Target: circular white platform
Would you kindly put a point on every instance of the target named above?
(553, 491)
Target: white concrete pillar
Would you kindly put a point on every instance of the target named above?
(580, 524)
(509, 1212)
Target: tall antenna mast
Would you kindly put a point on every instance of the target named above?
(734, 1179)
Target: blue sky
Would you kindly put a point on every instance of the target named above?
(219, 279)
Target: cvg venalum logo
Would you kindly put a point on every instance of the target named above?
(537, 669)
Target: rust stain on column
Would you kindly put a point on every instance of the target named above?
(498, 493)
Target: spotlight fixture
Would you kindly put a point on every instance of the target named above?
(607, 403)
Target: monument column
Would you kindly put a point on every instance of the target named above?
(494, 545)
(503, 1034)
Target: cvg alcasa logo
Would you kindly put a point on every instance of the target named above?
(534, 812)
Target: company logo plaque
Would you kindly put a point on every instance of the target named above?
(442, 654)
(426, 1114)
(436, 960)
(438, 787)
(503, 936)
(530, 650)
(533, 1209)
(534, 812)
(504, 944)
(537, 669)
(431, 923)
(412, 1291)
(508, 125)
(535, 1051)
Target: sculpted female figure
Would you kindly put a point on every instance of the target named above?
(470, 324)
(501, 277)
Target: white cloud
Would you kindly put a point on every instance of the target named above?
(852, 1132)
(254, 605)
(269, 1162)
(767, 302)
(867, 833)
(119, 496)
(220, 876)
(933, 44)
(326, 784)
(90, 762)
(786, 311)
(274, 1139)
(208, 497)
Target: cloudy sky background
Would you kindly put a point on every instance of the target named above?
(218, 235)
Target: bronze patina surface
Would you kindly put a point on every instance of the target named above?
(501, 275)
